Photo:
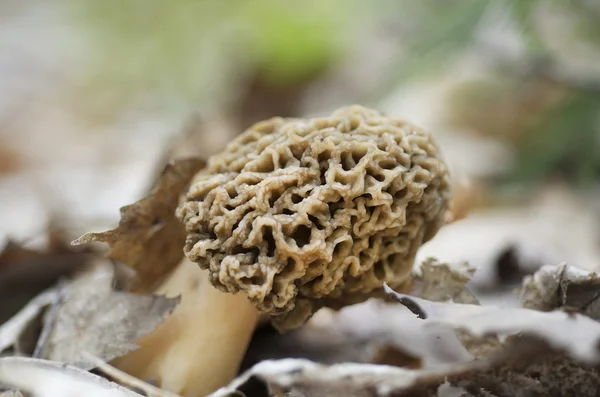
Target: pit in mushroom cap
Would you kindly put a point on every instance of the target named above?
(301, 214)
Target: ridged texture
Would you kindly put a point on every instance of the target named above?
(305, 213)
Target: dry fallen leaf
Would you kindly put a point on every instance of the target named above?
(527, 367)
(299, 377)
(524, 365)
(131, 382)
(149, 237)
(375, 331)
(556, 286)
(439, 281)
(43, 378)
(93, 318)
(576, 335)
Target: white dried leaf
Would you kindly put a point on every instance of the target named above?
(441, 282)
(11, 331)
(364, 333)
(577, 335)
(356, 334)
(555, 286)
(43, 378)
(298, 377)
(93, 318)
(128, 380)
(517, 371)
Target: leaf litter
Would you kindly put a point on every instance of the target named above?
(90, 317)
(84, 312)
(348, 343)
(45, 378)
(94, 318)
(436, 341)
(577, 335)
(563, 286)
(149, 237)
(527, 347)
(375, 331)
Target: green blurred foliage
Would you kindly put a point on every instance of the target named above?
(551, 119)
(293, 42)
(564, 143)
(439, 30)
(554, 129)
(197, 49)
(202, 51)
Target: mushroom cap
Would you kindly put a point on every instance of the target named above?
(301, 214)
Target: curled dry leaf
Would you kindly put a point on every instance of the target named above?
(149, 237)
(555, 286)
(576, 335)
(547, 342)
(437, 282)
(94, 318)
(43, 378)
(375, 331)
(128, 380)
(442, 282)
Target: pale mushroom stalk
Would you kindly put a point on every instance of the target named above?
(198, 348)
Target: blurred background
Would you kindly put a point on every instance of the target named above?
(95, 96)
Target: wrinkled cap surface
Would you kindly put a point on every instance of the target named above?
(305, 213)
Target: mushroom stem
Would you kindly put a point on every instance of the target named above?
(199, 347)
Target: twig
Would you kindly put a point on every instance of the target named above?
(50, 319)
(128, 380)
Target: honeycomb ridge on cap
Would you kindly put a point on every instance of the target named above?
(305, 213)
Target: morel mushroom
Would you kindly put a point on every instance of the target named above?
(304, 213)
(299, 214)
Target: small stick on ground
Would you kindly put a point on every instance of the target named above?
(128, 380)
